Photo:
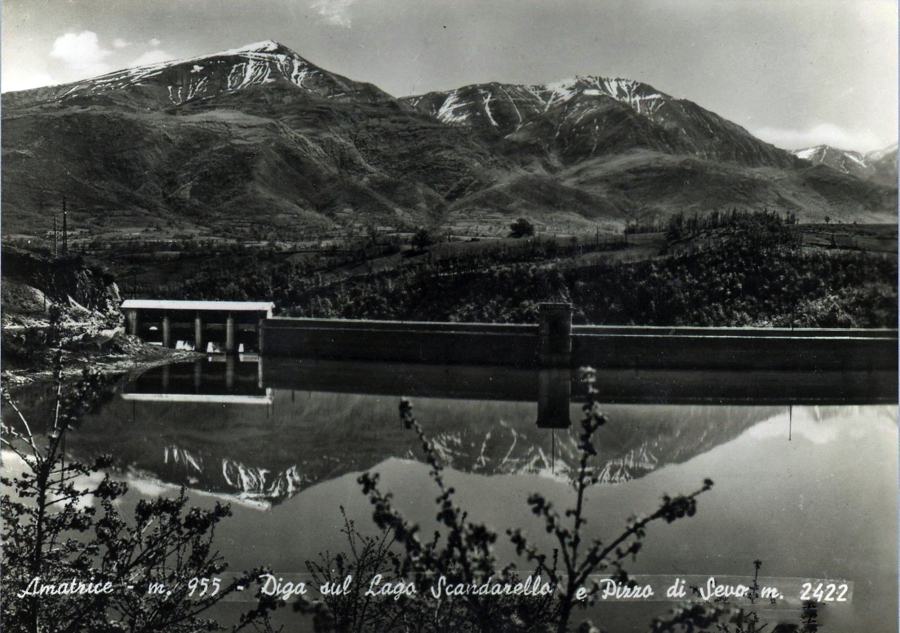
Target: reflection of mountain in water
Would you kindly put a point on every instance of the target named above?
(637, 440)
(265, 454)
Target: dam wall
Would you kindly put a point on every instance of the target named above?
(555, 342)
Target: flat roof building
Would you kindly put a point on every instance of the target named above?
(211, 326)
(217, 306)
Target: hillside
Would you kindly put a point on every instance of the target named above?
(258, 142)
(64, 305)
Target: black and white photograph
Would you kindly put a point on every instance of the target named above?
(439, 316)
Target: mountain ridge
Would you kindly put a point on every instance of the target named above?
(260, 131)
(677, 125)
(232, 70)
(878, 166)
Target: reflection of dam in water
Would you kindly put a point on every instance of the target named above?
(191, 434)
(216, 379)
(286, 441)
(250, 379)
(188, 423)
(298, 457)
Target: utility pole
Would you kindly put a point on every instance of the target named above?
(65, 237)
(55, 238)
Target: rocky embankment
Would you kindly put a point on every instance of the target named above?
(62, 303)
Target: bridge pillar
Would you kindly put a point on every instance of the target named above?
(198, 332)
(554, 396)
(229, 334)
(131, 317)
(261, 331)
(555, 332)
(167, 331)
(229, 373)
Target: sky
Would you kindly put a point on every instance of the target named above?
(795, 73)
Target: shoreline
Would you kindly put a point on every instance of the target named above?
(141, 358)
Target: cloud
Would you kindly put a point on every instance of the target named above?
(81, 52)
(155, 56)
(155, 42)
(334, 12)
(38, 80)
(822, 134)
(120, 43)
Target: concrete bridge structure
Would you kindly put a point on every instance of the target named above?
(212, 326)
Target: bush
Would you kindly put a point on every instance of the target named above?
(421, 239)
(62, 526)
(463, 555)
(521, 228)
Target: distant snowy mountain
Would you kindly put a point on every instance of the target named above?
(887, 154)
(848, 162)
(174, 83)
(588, 116)
(880, 166)
(884, 162)
(494, 103)
(260, 132)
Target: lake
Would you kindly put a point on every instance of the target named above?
(808, 487)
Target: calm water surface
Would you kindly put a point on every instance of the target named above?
(809, 490)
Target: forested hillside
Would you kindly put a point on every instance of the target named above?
(730, 269)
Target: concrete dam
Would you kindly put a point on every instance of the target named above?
(827, 361)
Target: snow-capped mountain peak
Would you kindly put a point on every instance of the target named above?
(591, 115)
(810, 152)
(880, 165)
(173, 83)
(266, 46)
(641, 97)
(505, 107)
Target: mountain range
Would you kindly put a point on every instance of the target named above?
(258, 140)
(879, 166)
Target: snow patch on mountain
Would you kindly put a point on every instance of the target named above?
(447, 113)
(554, 93)
(266, 46)
(260, 484)
(217, 73)
(642, 99)
(845, 161)
(175, 455)
(487, 108)
(806, 154)
(463, 105)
